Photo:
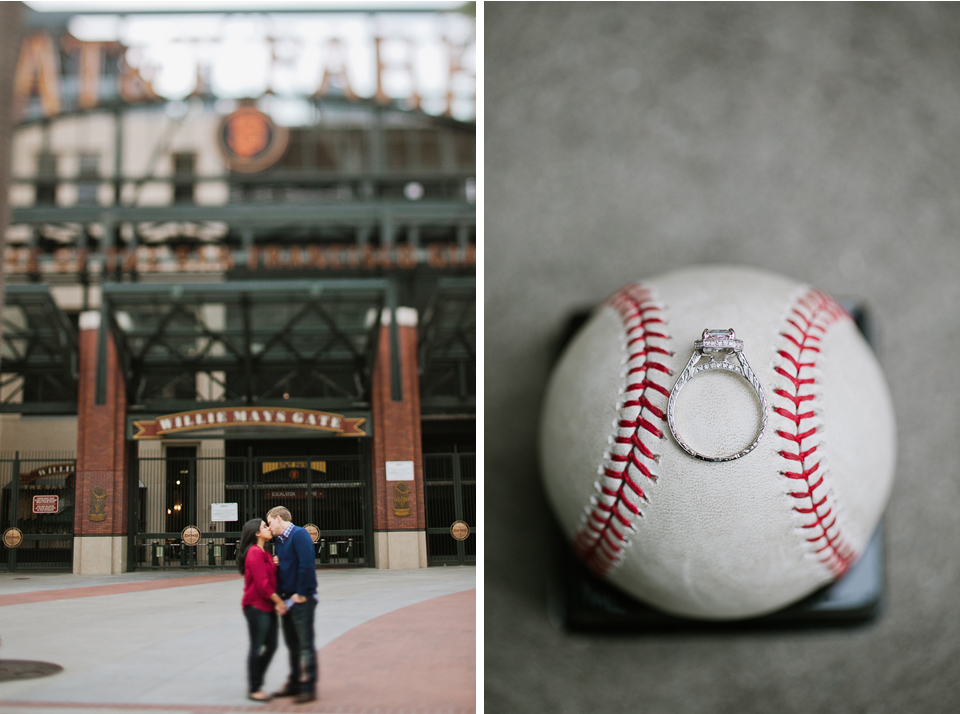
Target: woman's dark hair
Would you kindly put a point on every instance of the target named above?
(248, 538)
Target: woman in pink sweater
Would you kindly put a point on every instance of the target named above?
(260, 603)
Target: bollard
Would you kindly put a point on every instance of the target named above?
(211, 558)
(183, 555)
(324, 553)
(351, 558)
(157, 553)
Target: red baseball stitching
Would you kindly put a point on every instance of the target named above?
(602, 541)
(807, 322)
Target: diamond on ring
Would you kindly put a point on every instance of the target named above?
(717, 346)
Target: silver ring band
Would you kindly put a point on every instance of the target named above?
(714, 344)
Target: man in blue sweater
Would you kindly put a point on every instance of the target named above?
(297, 585)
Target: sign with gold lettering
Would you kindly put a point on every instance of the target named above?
(401, 499)
(12, 537)
(460, 530)
(250, 141)
(293, 466)
(98, 504)
(190, 535)
(269, 417)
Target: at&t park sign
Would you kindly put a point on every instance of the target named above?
(263, 417)
(426, 61)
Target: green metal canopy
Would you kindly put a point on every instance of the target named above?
(448, 346)
(308, 343)
(269, 215)
(39, 350)
(302, 342)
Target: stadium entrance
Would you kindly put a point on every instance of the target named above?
(192, 499)
(36, 511)
(450, 490)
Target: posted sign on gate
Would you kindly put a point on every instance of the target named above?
(223, 512)
(46, 504)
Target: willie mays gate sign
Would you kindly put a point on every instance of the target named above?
(205, 419)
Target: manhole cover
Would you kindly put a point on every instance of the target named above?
(25, 669)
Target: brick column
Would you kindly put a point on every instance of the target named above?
(100, 523)
(399, 519)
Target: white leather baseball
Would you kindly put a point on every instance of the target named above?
(718, 540)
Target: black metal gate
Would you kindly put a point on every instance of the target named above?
(182, 488)
(450, 482)
(36, 510)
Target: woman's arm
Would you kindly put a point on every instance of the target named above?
(259, 574)
(278, 604)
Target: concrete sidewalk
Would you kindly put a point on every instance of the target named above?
(389, 641)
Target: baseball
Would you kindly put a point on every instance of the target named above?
(808, 468)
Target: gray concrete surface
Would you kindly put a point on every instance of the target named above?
(176, 646)
(821, 141)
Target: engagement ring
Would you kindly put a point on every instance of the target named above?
(716, 347)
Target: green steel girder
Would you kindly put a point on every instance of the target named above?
(39, 341)
(258, 215)
(156, 329)
(447, 342)
(283, 177)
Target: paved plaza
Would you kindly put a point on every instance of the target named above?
(388, 641)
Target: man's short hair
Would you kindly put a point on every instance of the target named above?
(280, 512)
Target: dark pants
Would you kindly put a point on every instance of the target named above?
(298, 637)
(263, 643)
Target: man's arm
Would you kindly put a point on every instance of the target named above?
(302, 546)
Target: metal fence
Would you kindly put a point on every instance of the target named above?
(37, 510)
(450, 482)
(180, 488)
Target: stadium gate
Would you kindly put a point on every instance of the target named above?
(450, 483)
(191, 504)
(36, 511)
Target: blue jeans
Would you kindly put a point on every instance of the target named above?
(298, 637)
(263, 643)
